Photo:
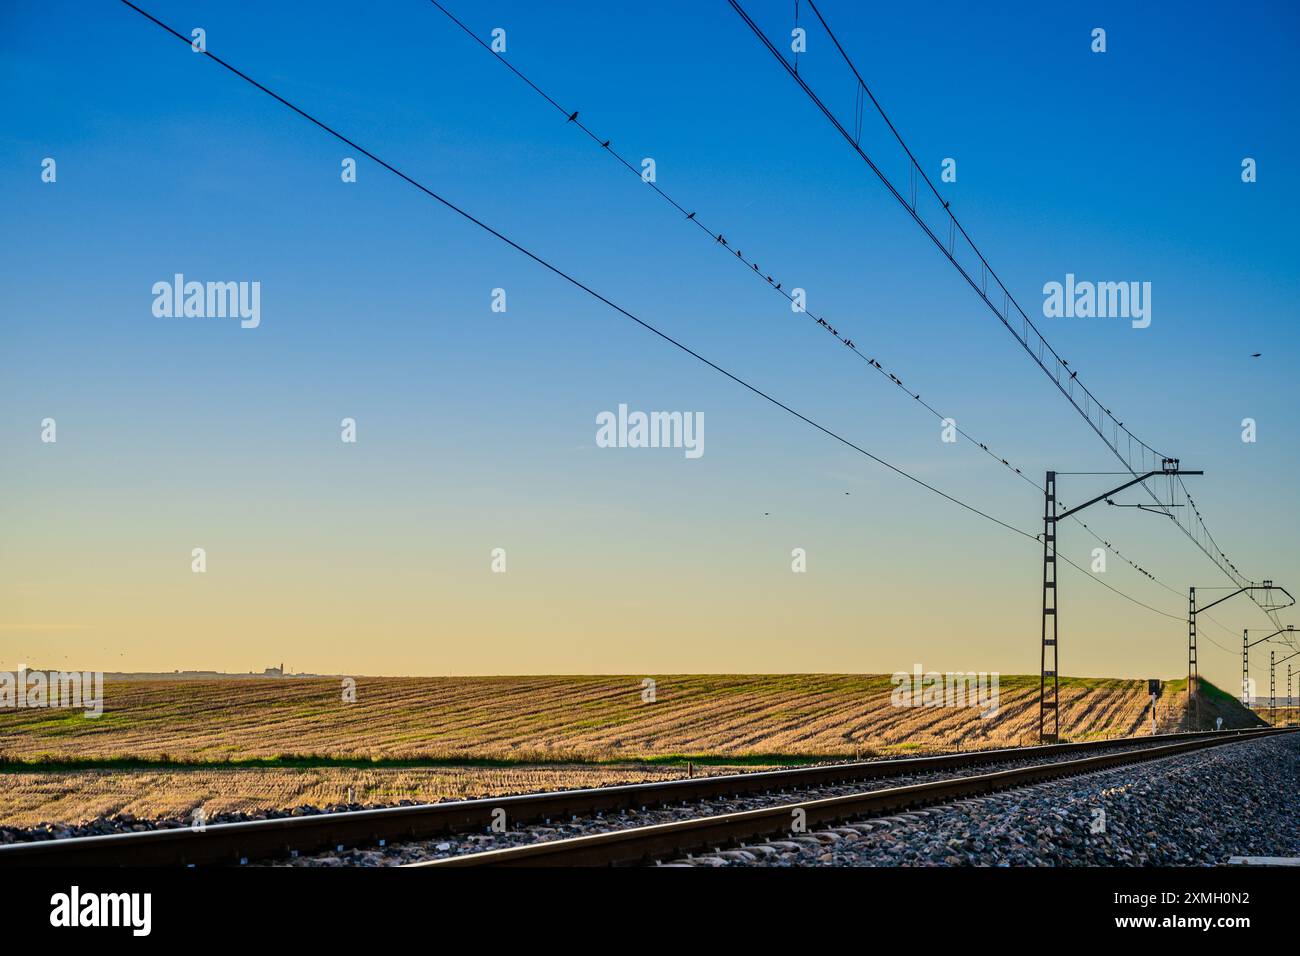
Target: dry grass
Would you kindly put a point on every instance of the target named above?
(1283, 716)
(545, 732)
(72, 797)
(548, 719)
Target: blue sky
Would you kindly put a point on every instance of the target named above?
(477, 429)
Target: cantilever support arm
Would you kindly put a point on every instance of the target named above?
(1127, 484)
(1253, 587)
(1285, 630)
(1287, 593)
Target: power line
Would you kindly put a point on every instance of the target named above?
(692, 217)
(717, 238)
(1221, 560)
(1122, 594)
(1036, 345)
(574, 281)
(591, 292)
(1129, 597)
(955, 228)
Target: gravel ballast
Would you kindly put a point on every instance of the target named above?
(457, 844)
(1191, 809)
(1196, 809)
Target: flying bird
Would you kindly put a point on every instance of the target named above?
(1256, 354)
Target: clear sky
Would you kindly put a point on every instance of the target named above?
(476, 429)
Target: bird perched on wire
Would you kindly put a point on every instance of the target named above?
(573, 116)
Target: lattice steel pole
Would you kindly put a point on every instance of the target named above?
(1048, 662)
(1245, 668)
(1246, 645)
(1193, 700)
(1272, 691)
(1289, 700)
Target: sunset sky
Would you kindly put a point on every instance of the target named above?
(476, 430)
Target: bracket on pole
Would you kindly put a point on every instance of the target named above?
(1247, 644)
(1049, 681)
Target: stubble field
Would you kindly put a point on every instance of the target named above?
(163, 747)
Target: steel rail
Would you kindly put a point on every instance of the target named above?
(641, 845)
(235, 843)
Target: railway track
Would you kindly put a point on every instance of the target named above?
(245, 842)
(649, 844)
